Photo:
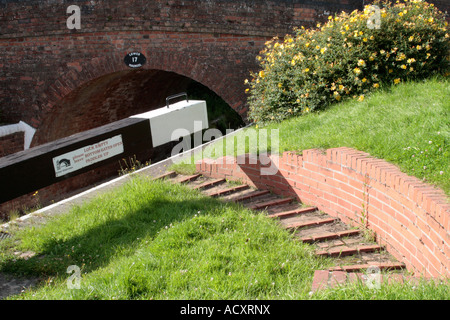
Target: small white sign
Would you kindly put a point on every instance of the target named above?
(86, 156)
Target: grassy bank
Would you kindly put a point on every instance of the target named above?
(151, 240)
(407, 125)
(157, 241)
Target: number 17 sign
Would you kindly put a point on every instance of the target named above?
(135, 60)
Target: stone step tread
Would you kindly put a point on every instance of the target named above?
(283, 208)
(290, 213)
(250, 195)
(209, 184)
(307, 216)
(344, 250)
(261, 199)
(229, 190)
(329, 236)
(324, 279)
(187, 179)
(169, 174)
(336, 227)
(389, 265)
(308, 223)
(270, 203)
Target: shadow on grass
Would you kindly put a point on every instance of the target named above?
(97, 246)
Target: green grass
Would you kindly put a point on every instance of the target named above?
(154, 240)
(407, 125)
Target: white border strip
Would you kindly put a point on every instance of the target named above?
(19, 127)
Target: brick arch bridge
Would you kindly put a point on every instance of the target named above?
(63, 81)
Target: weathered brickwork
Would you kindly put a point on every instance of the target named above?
(11, 143)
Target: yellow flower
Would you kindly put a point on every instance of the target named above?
(307, 110)
(365, 39)
(411, 38)
(403, 66)
(411, 60)
(400, 14)
(307, 44)
(306, 70)
(357, 70)
(361, 63)
(361, 98)
(430, 19)
(322, 51)
(419, 47)
(376, 85)
(396, 81)
(262, 74)
(390, 70)
(247, 90)
(246, 81)
(364, 80)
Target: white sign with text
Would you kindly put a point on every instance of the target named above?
(86, 156)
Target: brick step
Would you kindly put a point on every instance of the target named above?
(345, 251)
(167, 175)
(229, 191)
(187, 179)
(250, 195)
(283, 208)
(314, 222)
(389, 266)
(329, 236)
(209, 184)
(270, 203)
(324, 279)
(285, 214)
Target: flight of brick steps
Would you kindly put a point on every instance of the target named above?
(353, 253)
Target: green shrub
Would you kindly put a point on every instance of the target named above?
(347, 58)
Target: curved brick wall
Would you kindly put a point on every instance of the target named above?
(409, 217)
(214, 42)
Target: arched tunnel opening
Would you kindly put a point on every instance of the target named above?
(121, 94)
(107, 99)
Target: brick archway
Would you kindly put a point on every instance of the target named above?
(81, 78)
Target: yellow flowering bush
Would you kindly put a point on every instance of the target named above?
(347, 58)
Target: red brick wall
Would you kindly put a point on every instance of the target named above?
(409, 217)
(11, 143)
